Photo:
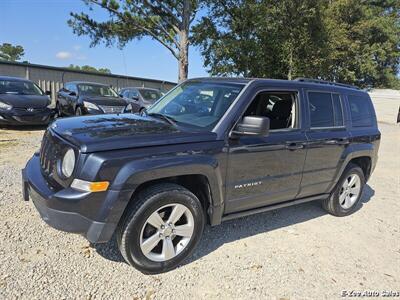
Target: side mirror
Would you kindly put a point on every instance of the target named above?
(72, 93)
(254, 126)
(48, 93)
(135, 98)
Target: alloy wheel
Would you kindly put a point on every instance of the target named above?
(350, 191)
(167, 232)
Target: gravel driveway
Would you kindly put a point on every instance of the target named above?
(294, 253)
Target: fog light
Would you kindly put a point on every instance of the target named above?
(87, 186)
(1, 118)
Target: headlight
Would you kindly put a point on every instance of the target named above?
(5, 106)
(68, 163)
(90, 105)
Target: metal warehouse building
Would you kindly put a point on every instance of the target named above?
(52, 78)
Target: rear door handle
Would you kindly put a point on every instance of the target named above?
(294, 146)
(337, 142)
(343, 141)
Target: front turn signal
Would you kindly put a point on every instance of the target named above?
(87, 186)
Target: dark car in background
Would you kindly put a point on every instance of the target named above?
(139, 98)
(81, 98)
(22, 102)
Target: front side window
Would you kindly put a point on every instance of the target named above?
(361, 111)
(279, 107)
(96, 90)
(197, 104)
(19, 87)
(325, 110)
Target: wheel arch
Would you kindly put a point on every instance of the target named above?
(200, 175)
(362, 155)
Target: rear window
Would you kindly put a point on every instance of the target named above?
(361, 111)
(325, 110)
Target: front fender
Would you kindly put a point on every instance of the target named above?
(137, 172)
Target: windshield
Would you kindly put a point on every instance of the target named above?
(96, 90)
(19, 87)
(150, 95)
(198, 104)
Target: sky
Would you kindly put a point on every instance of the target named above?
(40, 26)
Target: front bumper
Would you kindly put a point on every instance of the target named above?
(17, 116)
(56, 207)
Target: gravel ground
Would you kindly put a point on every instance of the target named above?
(293, 253)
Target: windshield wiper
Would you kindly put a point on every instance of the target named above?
(169, 119)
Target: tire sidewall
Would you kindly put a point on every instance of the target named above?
(131, 235)
(339, 210)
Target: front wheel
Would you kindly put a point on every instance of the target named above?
(346, 195)
(161, 229)
(78, 111)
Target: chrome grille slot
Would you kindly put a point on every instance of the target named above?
(112, 109)
(48, 154)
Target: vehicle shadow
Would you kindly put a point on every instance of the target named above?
(23, 127)
(215, 237)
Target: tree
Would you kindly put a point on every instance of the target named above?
(11, 53)
(364, 42)
(275, 38)
(87, 68)
(350, 41)
(168, 22)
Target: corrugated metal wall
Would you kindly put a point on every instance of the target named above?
(52, 78)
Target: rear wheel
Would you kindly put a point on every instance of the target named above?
(347, 194)
(161, 229)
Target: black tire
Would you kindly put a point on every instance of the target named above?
(332, 204)
(78, 111)
(148, 201)
(58, 113)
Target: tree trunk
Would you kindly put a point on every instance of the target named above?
(184, 42)
(290, 71)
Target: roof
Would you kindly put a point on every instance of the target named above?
(299, 82)
(13, 78)
(86, 82)
(84, 72)
(139, 88)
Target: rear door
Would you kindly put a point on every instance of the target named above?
(328, 139)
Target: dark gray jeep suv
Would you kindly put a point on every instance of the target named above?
(210, 150)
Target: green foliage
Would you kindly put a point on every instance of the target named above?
(87, 68)
(166, 22)
(349, 41)
(11, 53)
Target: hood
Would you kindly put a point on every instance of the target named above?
(107, 101)
(112, 132)
(25, 101)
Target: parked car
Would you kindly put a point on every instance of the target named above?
(22, 102)
(210, 150)
(82, 98)
(139, 98)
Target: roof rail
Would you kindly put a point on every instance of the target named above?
(326, 82)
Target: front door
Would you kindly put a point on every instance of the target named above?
(266, 170)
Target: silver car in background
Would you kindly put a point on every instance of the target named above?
(139, 98)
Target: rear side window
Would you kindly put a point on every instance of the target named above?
(325, 110)
(361, 111)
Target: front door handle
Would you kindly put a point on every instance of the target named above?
(294, 146)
